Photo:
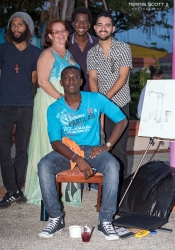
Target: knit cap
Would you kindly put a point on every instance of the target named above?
(27, 19)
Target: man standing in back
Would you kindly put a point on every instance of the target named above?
(81, 41)
(18, 72)
(108, 65)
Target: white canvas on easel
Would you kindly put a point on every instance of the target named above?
(158, 113)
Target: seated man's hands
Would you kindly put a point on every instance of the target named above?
(97, 150)
(84, 167)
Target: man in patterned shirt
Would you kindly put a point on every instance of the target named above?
(108, 65)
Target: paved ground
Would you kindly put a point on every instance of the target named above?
(20, 225)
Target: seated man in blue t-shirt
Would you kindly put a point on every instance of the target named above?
(77, 116)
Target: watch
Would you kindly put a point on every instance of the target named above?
(109, 145)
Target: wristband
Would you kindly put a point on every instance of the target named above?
(72, 159)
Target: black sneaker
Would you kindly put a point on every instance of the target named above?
(108, 230)
(22, 198)
(8, 199)
(54, 225)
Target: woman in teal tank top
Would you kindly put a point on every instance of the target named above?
(49, 67)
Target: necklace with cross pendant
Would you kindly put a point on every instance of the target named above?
(16, 68)
(21, 48)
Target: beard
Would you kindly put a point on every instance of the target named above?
(104, 38)
(19, 39)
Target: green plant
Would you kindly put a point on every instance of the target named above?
(137, 82)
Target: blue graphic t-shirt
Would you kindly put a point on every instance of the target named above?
(81, 125)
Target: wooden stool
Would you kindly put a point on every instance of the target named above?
(76, 175)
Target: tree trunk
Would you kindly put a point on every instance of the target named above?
(66, 9)
(56, 10)
(105, 5)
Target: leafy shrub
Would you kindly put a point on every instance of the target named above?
(137, 82)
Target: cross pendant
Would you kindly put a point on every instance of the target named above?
(16, 68)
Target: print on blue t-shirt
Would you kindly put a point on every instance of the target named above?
(81, 125)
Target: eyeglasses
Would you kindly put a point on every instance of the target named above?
(57, 32)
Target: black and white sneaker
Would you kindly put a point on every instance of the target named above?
(108, 230)
(8, 199)
(54, 225)
(22, 198)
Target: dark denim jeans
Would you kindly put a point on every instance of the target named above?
(105, 163)
(13, 175)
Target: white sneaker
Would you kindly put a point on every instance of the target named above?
(108, 230)
(54, 225)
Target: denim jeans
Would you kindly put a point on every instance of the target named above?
(105, 163)
(13, 175)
